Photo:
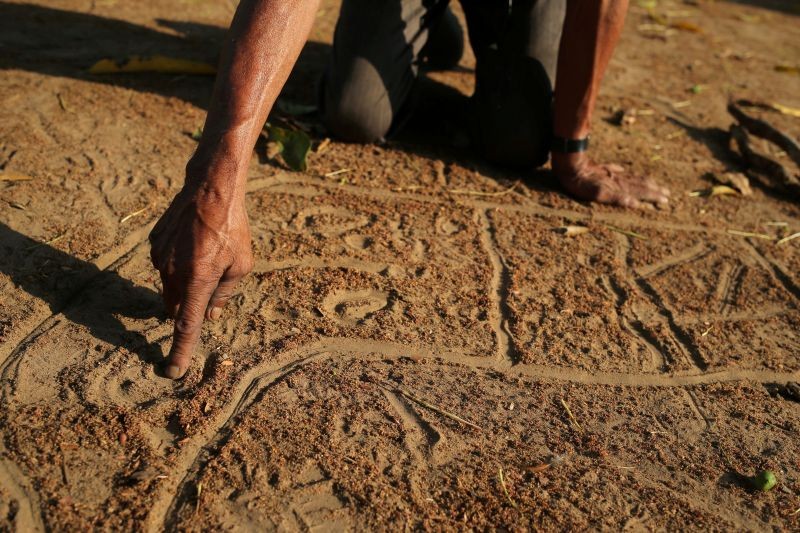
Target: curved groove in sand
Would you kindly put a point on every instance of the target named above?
(302, 184)
(261, 377)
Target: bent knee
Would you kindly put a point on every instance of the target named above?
(356, 104)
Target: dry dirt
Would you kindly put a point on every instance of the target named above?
(645, 368)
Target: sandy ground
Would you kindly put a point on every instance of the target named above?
(625, 378)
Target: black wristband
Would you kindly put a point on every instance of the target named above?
(569, 146)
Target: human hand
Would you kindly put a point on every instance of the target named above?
(607, 184)
(201, 247)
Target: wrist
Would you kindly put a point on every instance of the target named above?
(217, 173)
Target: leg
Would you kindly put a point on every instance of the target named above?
(517, 54)
(373, 67)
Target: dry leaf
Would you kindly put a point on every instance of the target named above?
(156, 63)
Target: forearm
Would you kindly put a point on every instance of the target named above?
(591, 31)
(264, 41)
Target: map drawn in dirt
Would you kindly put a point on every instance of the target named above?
(419, 343)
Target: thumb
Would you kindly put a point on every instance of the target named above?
(188, 325)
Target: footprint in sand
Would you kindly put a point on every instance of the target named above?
(352, 307)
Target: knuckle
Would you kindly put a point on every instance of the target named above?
(185, 326)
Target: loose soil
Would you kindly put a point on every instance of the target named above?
(415, 331)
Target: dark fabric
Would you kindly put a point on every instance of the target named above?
(375, 63)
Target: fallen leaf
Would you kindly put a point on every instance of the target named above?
(155, 63)
(293, 146)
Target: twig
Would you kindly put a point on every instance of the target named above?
(435, 409)
(135, 213)
(789, 238)
(626, 232)
(481, 193)
(749, 234)
(706, 332)
(763, 129)
(505, 489)
(571, 416)
(761, 163)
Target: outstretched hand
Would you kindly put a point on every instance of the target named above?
(201, 247)
(607, 184)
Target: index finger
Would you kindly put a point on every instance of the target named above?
(188, 324)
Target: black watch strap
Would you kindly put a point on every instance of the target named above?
(569, 146)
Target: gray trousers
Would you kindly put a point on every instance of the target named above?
(375, 64)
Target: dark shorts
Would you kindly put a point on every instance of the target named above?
(375, 64)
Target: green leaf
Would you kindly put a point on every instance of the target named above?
(295, 146)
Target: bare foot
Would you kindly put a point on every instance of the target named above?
(607, 184)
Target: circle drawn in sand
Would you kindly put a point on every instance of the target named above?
(328, 220)
(358, 242)
(352, 307)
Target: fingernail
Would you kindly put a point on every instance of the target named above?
(173, 372)
(215, 313)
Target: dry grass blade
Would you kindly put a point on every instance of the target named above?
(626, 232)
(570, 415)
(337, 172)
(62, 103)
(17, 205)
(789, 238)
(435, 409)
(323, 145)
(571, 231)
(481, 193)
(538, 468)
(786, 110)
(502, 479)
(706, 332)
(135, 213)
(199, 493)
(716, 190)
(14, 176)
(750, 234)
